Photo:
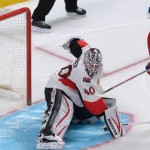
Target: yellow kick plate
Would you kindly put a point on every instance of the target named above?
(4, 3)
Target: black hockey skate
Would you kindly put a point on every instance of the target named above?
(78, 11)
(40, 26)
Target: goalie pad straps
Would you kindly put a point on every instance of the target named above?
(51, 111)
(113, 122)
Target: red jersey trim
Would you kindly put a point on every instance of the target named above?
(95, 108)
(69, 83)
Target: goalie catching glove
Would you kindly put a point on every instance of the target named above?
(75, 45)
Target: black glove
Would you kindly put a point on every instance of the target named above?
(148, 68)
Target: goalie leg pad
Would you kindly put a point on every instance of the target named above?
(55, 122)
(113, 122)
(64, 116)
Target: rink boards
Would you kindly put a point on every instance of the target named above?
(19, 130)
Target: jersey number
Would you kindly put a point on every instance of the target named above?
(90, 91)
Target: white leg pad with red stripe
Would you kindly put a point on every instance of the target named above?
(113, 122)
(64, 117)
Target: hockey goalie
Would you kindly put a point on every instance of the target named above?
(75, 92)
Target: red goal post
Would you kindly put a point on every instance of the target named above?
(15, 52)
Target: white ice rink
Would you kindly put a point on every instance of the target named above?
(119, 29)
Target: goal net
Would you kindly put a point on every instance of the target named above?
(15, 53)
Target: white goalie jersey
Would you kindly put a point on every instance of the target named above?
(82, 89)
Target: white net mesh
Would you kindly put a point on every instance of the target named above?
(13, 48)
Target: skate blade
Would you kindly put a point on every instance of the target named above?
(40, 30)
(74, 15)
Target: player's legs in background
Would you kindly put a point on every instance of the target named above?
(39, 14)
(72, 8)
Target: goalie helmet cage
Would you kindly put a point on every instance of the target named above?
(15, 52)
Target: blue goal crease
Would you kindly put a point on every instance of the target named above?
(19, 130)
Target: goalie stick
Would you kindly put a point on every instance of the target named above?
(131, 124)
(136, 123)
(125, 81)
(148, 44)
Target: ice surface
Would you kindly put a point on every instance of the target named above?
(119, 29)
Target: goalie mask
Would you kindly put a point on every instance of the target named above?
(93, 62)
